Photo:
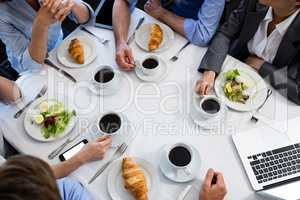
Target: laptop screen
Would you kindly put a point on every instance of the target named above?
(103, 10)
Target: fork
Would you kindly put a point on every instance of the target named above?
(101, 40)
(255, 119)
(176, 56)
(120, 150)
(40, 94)
(56, 151)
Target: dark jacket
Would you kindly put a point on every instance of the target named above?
(233, 37)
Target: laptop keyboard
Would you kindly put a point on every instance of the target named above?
(276, 164)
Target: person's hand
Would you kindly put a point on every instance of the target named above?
(154, 8)
(211, 190)
(45, 17)
(206, 83)
(52, 11)
(59, 8)
(124, 57)
(95, 150)
(255, 62)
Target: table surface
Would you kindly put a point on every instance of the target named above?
(158, 115)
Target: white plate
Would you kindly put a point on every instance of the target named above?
(256, 84)
(115, 183)
(160, 74)
(143, 33)
(169, 172)
(35, 131)
(90, 52)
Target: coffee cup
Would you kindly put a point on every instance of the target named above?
(110, 123)
(179, 157)
(209, 106)
(150, 65)
(104, 76)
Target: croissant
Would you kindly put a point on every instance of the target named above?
(76, 51)
(156, 37)
(134, 179)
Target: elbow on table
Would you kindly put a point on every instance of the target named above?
(199, 36)
(29, 63)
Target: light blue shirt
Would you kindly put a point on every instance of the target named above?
(202, 18)
(72, 190)
(16, 18)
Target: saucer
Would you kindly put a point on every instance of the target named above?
(107, 91)
(124, 135)
(208, 123)
(170, 173)
(160, 74)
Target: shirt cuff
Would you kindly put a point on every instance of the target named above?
(91, 11)
(266, 69)
(28, 63)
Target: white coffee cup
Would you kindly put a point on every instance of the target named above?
(150, 70)
(208, 113)
(105, 84)
(115, 120)
(185, 170)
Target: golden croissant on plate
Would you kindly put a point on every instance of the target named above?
(76, 51)
(156, 37)
(134, 179)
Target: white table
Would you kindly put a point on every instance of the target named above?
(158, 112)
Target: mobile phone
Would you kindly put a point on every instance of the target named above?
(73, 150)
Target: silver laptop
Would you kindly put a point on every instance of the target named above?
(271, 161)
(103, 13)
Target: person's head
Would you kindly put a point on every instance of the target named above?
(281, 4)
(27, 178)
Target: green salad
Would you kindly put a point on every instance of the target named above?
(53, 118)
(234, 88)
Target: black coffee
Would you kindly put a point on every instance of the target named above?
(180, 156)
(150, 63)
(104, 75)
(110, 123)
(211, 106)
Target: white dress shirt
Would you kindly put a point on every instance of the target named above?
(265, 46)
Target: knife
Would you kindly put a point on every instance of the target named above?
(185, 192)
(66, 74)
(131, 38)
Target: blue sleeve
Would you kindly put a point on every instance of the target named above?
(73, 190)
(202, 30)
(91, 11)
(17, 45)
(132, 4)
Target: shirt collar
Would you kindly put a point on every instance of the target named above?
(269, 15)
(284, 25)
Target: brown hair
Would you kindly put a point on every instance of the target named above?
(27, 178)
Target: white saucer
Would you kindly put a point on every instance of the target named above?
(107, 91)
(160, 74)
(169, 172)
(124, 136)
(208, 123)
